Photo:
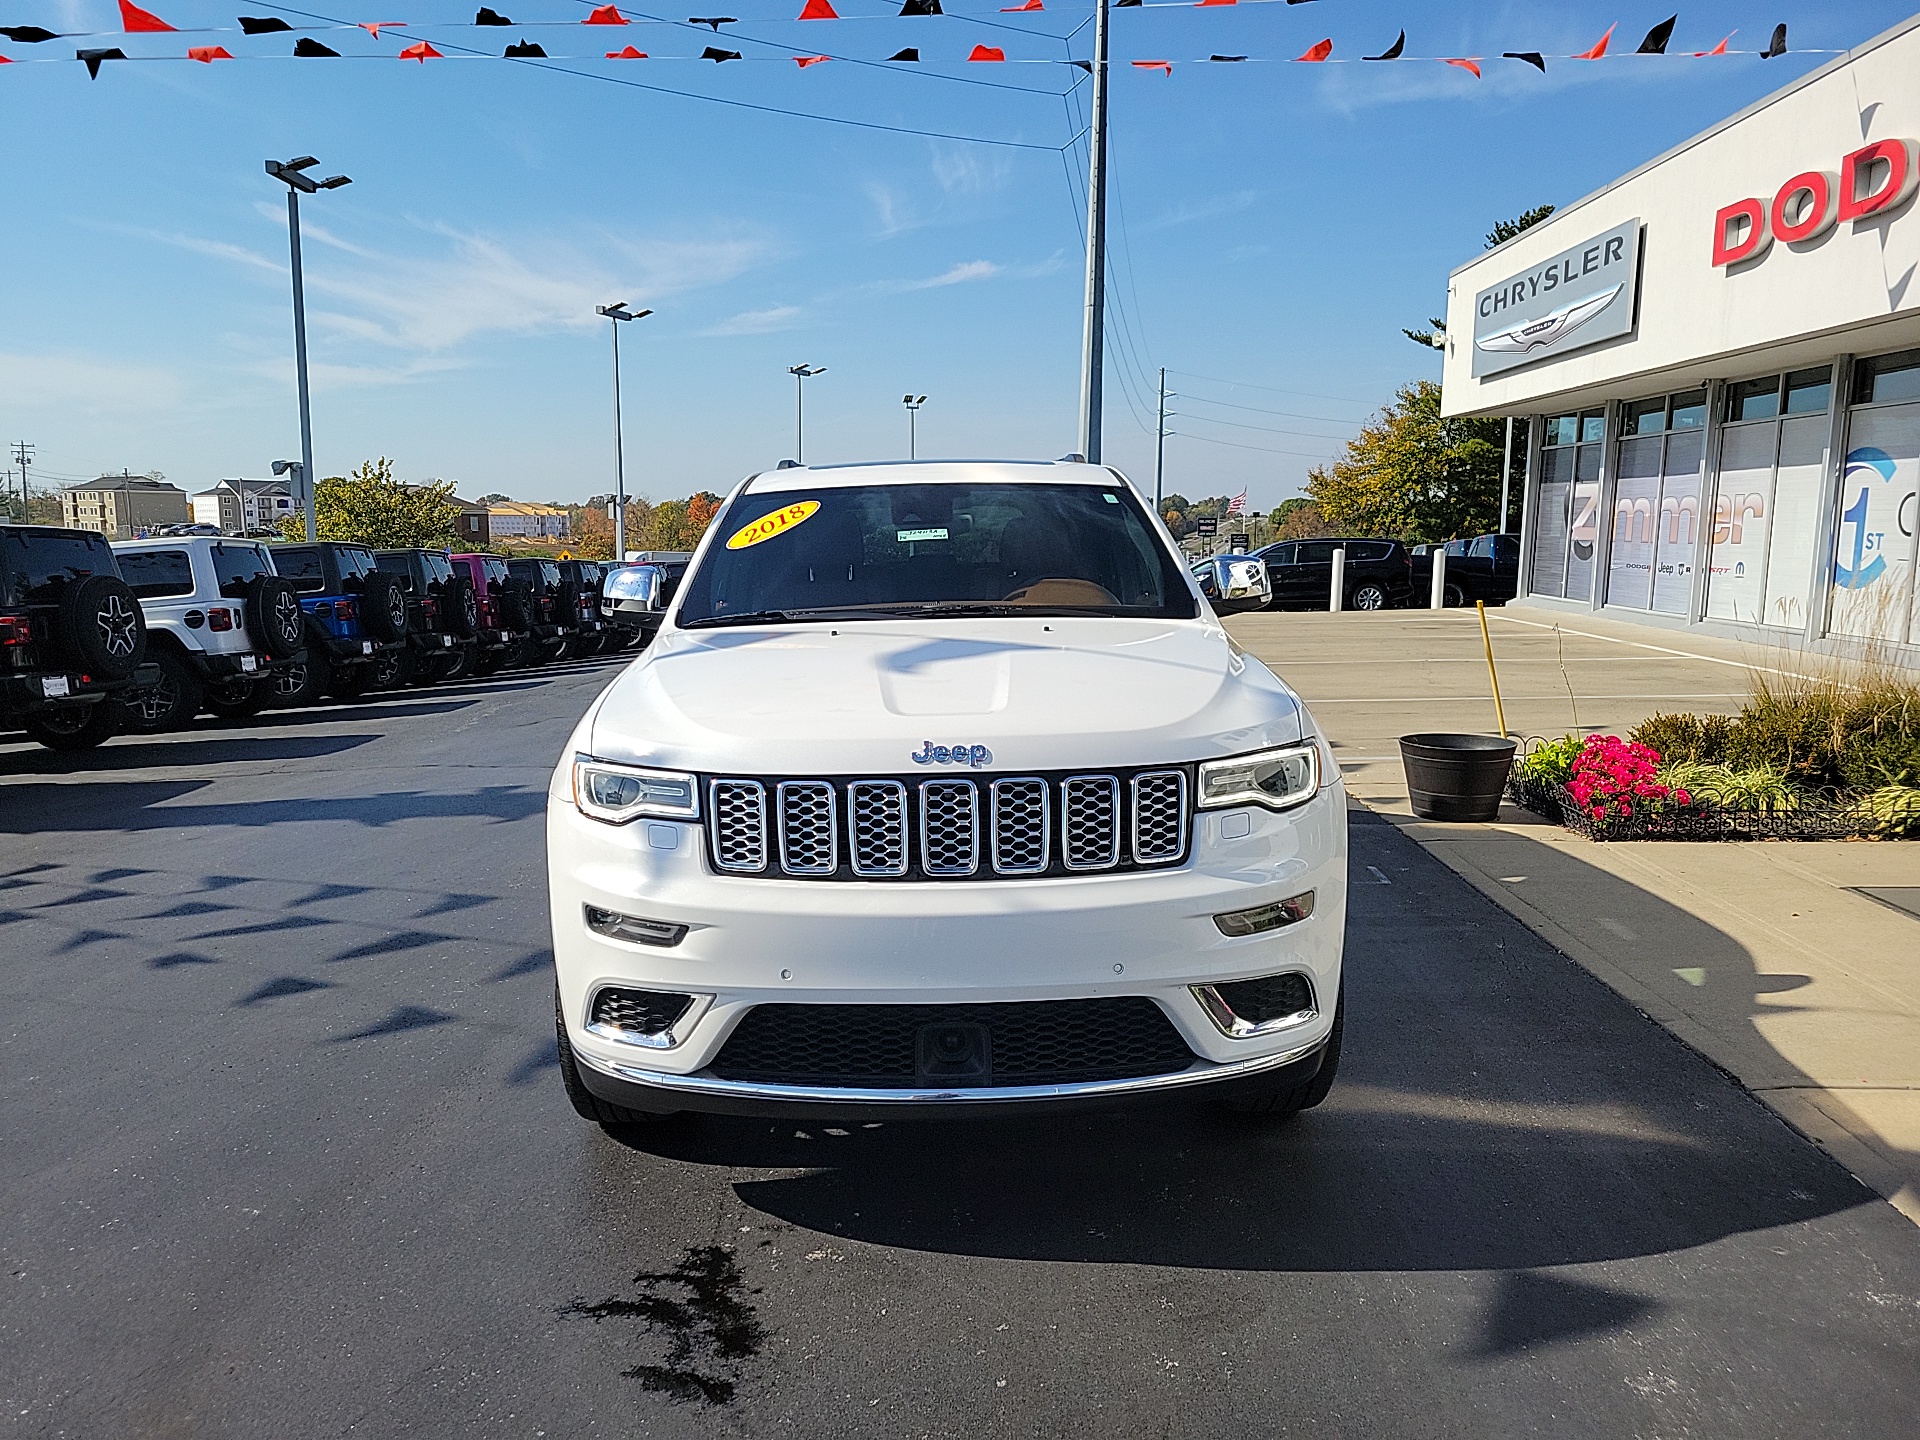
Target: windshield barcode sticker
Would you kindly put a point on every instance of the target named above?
(904, 536)
(768, 526)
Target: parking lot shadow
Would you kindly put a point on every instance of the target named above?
(1498, 1109)
(34, 809)
(198, 749)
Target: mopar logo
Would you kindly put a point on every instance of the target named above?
(932, 754)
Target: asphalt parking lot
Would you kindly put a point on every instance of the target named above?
(287, 1156)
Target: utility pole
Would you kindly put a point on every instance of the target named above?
(1160, 443)
(23, 457)
(1093, 347)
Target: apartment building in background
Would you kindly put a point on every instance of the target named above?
(238, 506)
(518, 520)
(121, 506)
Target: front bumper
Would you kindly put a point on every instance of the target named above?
(753, 941)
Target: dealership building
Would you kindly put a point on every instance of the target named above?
(1719, 354)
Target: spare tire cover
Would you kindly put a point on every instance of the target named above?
(383, 607)
(99, 626)
(273, 616)
(459, 610)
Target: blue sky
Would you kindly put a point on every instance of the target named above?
(1274, 225)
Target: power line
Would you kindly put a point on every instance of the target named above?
(1235, 445)
(1276, 389)
(1264, 410)
(1267, 429)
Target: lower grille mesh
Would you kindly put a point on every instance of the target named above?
(1041, 1042)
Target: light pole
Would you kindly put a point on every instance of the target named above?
(1093, 343)
(913, 404)
(800, 373)
(615, 313)
(290, 173)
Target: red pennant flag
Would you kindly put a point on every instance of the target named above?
(207, 54)
(819, 10)
(1198, 3)
(1719, 49)
(422, 52)
(1317, 53)
(6, 59)
(627, 54)
(1022, 9)
(136, 21)
(805, 60)
(1597, 51)
(1472, 66)
(605, 15)
(1166, 65)
(377, 26)
(987, 52)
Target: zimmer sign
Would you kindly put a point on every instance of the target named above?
(1578, 298)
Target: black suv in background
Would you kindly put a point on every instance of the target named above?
(556, 602)
(1486, 567)
(1379, 574)
(443, 617)
(72, 638)
(596, 634)
(355, 613)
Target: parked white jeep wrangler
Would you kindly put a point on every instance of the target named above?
(942, 788)
(220, 622)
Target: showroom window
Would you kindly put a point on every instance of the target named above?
(1656, 502)
(1873, 559)
(1566, 524)
(1766, 505)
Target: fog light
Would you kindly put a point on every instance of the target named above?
(633, 929)
(1266, 917)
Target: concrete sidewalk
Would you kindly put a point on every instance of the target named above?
(1769, 958)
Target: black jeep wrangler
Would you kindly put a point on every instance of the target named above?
(596, 631)
(72, 639)
(443, 619)
(556, 603)
(355, 613)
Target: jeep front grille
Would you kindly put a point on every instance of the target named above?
(950, 827)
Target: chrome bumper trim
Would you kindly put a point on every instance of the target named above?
(1199, 1073)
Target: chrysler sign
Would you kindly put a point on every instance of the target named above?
(1578, 298)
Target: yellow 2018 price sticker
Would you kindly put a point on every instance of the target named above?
(770, 525)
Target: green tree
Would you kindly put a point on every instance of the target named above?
(370, 507)
(1412, 474)
(1298, 519)
(1435, 335)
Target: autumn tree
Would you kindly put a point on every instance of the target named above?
(1299, 519)
(1413, 474)
(370, 507)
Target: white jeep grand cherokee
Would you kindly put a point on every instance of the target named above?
(942, 787)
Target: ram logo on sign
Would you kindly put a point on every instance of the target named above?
(1578, 298)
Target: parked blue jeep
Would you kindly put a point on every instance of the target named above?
(355, 614)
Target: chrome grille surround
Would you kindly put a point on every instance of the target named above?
(1020, 832)
(1090, 822)
(1159, 818)
(1047, 825)
(809, 827)
(949, 827)
(739, 825)
(877, 827)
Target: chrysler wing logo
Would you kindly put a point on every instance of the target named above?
(1548, 329)
(932, 754)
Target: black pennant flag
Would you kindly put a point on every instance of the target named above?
(26, 34)
(1086, 65)
(1778, 45)
(1532, 57)
(716, 21)
(1657, 37)
(525, 50)
(718, 55)
(925, 7)
(263, 25)
(1123, 4)
(1222, 58)
(490, 17)
(1392, 52)
(908, 54)
(92, 58)
(314, 50)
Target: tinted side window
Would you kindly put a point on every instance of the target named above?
(235, 566)
(1377, 550)
(1315, 552)
(1278, 555)
(301, 565)
(35, 563)
(1481, 548)
(154, 573)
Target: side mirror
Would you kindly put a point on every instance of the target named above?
(636, 587)
(1234, 583)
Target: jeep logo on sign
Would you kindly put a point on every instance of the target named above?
(973, 755)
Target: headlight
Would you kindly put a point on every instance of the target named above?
(1277, 779)
(619, 793)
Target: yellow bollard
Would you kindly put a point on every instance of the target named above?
(1486, 639)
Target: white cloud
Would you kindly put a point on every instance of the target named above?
(1188, 211)
(101, 386)
(759, 322)
(967, 170)
(958, 275)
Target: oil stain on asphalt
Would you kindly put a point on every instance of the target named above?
(701, 1307)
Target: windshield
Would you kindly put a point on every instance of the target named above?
(873, 551)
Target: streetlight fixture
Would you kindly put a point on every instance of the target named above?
(615, 313)
(281, 467)
(291, 173)
(800, 374)
(913, 404)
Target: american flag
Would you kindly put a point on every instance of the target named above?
(1238, 505)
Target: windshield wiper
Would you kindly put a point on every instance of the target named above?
(774, 617)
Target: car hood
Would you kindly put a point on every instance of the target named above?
(864, 698)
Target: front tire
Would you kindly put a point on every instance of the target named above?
(1283, 1102)
(586, 1104)
(77, 727)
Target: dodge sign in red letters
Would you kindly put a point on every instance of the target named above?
(1872, 180)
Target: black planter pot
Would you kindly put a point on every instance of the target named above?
(1456, 777)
